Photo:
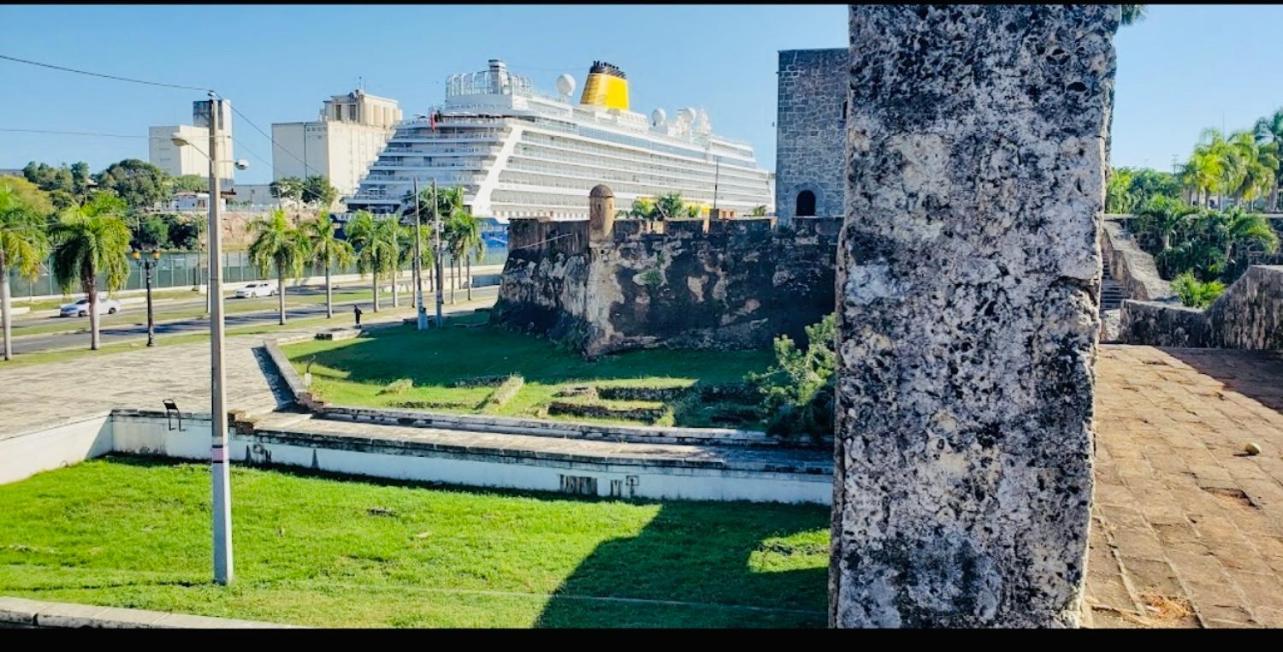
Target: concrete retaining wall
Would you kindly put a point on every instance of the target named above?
(145, 432)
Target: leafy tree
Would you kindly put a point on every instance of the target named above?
(139, 183)
(317, 190)
(152, 233)
(374, 248)
(185, 231)
(798, 390)
(1196, 293)
(1118, 193)
(643, 208)
(80, 179)
(90, 240)
(759, 211)
(23, 243)
(191, 183)
(49, 178)
(287, 188)
(278, 245)
(1132, 14)
(328, 251)
(28, 195)
(1269, 130)
(669, 206)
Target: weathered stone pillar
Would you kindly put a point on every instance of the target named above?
(601, 213)
(967, 286)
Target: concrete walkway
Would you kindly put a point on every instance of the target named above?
(20, 613)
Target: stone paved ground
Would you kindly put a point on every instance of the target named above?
(1187, 529)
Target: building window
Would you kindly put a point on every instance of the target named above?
(805, 204)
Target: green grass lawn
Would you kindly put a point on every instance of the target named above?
(355, 372)
(323, 551)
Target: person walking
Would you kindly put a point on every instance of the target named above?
(356, 312)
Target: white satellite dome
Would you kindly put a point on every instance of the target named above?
(687, 114)
(658, 118)
(565, 84)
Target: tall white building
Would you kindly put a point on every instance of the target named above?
(179, 161)
(341, 145)
(519, 152)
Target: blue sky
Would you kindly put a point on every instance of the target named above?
(1182, 69)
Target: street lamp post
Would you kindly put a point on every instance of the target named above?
(219, 467)
(148, 263)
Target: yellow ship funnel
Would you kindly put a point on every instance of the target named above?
(607, 87)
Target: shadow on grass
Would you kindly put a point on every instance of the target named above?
(691, 568)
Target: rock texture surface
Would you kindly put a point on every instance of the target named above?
(1132, 266)
(736, 285)
(1249, 315)
(969, 273)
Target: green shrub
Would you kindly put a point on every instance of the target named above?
(1196, 293)
(798, 391)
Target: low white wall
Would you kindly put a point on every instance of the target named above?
(148, 434)
(24, 455)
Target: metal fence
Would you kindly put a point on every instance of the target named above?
(188, 269)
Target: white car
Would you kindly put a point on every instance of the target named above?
(81, 308)
(259, 289)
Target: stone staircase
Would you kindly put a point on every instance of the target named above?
(1111, 292)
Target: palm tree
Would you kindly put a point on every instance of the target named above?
(277, 244)
(328, 250)
(469, 243)
(1162, 217)
(1244, 232)
(23, 245)
(369, 236)
(1270, 130)
(1255, 166)
(90, 240)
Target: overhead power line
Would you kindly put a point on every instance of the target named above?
(104, 76)
(307, 169)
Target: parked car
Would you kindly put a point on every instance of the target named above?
(81, 308)
(259, 289)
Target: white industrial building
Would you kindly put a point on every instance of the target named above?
(179, 161)
(341, 145)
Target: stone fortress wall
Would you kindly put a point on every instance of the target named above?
(811, 131)
(1249, 315)
(607, 285)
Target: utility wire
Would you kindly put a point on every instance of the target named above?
(67, 133)
(104, 76)
(306, 168)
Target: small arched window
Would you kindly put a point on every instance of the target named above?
(805, 204)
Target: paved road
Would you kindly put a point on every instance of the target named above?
(135, 331)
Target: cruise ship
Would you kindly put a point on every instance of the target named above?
(519, 152)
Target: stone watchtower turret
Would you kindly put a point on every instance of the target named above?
(601, 213)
